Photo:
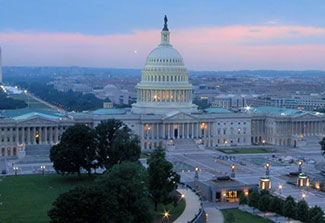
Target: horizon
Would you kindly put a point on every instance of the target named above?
(268, 35)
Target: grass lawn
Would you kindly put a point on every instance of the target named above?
(246, 150)
(243, 217)
(28, 198)
(144, 155)
(32, 102)
(174, 212)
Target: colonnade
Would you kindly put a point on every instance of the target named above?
(163, 95)
(31, 135)
(177, 130)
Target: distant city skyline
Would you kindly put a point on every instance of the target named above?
(211, 35)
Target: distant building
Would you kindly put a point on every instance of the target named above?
(165, 116)
(116, 95)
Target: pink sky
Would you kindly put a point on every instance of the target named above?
(206, 48)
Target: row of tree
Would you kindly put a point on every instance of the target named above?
(9, 103)
(126, 192)
(288, 207)
(81, 147)
(70, 100)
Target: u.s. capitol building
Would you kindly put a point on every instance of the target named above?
(164, 115)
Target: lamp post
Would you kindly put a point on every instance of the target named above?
(303, 195)
(15, 168)
(233, 171)
(267, 166)
(280, 188)
(166, 215)
(43, 169)
(300, 166)
(196, 176)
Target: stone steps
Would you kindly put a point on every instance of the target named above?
(185, 144)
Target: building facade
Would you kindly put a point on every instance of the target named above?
(164, 115)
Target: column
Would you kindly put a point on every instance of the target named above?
(163, 131)
(192, 130)
(33, 135)
(23, 135)
(28, 141)
(17, 136)
(197, 130)
(45, 135)
(160, 99)
(187, 130)
(56, 134)
(168, 130)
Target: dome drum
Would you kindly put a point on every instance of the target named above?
(164, 85)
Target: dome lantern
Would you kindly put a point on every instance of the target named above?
(164, 85)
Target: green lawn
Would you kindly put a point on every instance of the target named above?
(174, 212)
(31, 101)
(246, 150)
(28, 198)
(243, 217)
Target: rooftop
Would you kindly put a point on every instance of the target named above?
(281, 111)
(25, 113)
(217, 110)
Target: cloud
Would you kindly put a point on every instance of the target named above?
(273, 22)
(204, 48)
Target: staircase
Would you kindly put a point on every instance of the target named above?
(36, 154)
(312, 141)
(185, 145)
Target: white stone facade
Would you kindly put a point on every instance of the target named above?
(164, 115)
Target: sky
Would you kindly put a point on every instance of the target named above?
(210, 34)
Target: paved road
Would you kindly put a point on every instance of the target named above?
(253, 169)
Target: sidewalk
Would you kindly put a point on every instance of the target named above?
(214, 215)
(193, 205)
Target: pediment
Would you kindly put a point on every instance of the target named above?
(180, 116)
(37, 119)
(309, 116)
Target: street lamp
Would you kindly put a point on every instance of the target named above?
(196, 169)
(233, 170)
(300, 166)
(43, 169)
(15, 168)
(303, 195)
(166, 215)
(280, 188)
(267, 166)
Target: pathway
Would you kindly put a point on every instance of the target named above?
(193, 205)
(214, 215)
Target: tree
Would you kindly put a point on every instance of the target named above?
(76, 150)
(263, 203)
(322, 144)
(116, 143)
(82, 204)
(276, 205)
(289, 207)
(242, 199)
(126, 186)
(315, 215)
(253, 199)
(162, 178)
(230, 218)
(302, 210)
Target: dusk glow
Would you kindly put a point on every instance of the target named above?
(217, 44)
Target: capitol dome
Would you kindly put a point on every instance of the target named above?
(164, 85)
(164, 55)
